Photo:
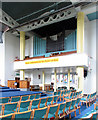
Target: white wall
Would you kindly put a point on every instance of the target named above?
(33, 74)
(48, 78)
(90, 49)
(12, 48)
(2, 63)
(29, 47)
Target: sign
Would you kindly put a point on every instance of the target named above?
(42, 61)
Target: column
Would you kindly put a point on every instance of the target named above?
(68, 79)
(80, 32)
(22, 52)
(80, 40)
(22, 75)
(43, 80)
(80, 71)
(55, 80)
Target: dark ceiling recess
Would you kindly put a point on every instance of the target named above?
(18, 10)
(70, 24)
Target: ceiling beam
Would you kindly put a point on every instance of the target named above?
(48, 19)
(7, 20)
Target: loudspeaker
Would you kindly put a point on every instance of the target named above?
(85, 73)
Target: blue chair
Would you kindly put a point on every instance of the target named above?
(55, 99)
(15, 99)
(24, 106)
(70, 96)
(52, 111)
(80, 93)
(10, 108)
(93, 97)
(62, 88)
(32, 97)
(72, 108)
(94, 116)
(86, 100)
(59, 93)
(42, 102)
(4, 100)
(6, 117)
(74, 95)
(96, 107)
(73, 104)
(35, 104)
(49, 100)
(68, 91)
(62, 94)
(61, 108)
(37, 96)
(26, 115)
(24, 98)
(65, 88)
(59, 88)
(65, 92)
(67, 107)
(39, 114)
(77, 104)
(1, 108)
(55, 93)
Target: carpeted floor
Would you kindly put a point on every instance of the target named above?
(84, 110)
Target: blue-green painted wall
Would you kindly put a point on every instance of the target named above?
(93, 16)
(70, 41)
(39, 46)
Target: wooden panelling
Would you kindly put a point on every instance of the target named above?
(24, 84)
(11, 83)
